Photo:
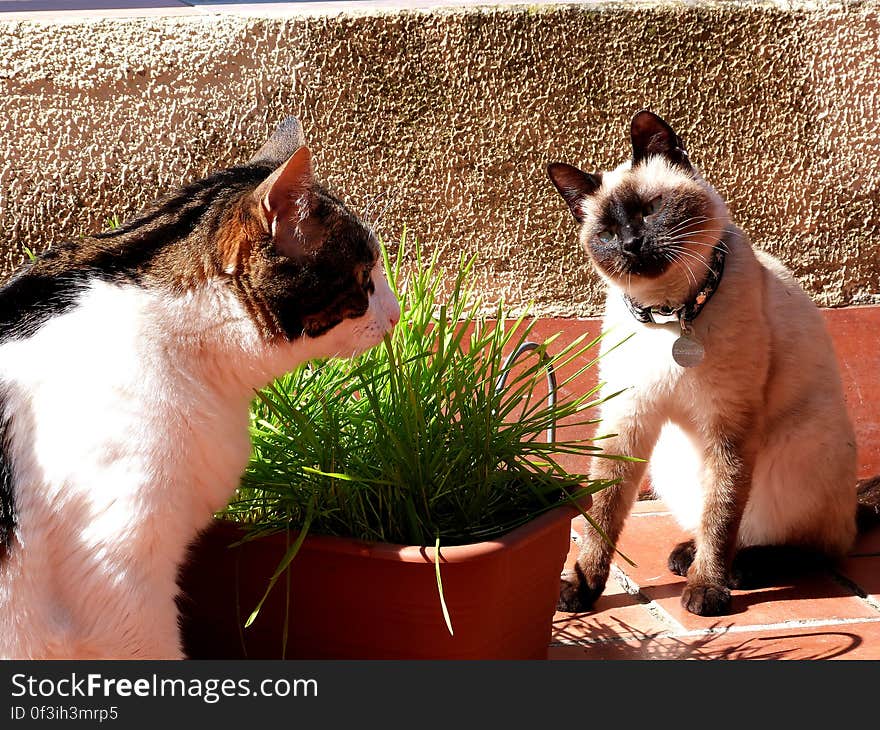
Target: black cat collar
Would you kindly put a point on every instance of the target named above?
(687, 351)
(689, 310)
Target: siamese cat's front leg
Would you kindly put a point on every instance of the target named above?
(727, 478)
(636, 436)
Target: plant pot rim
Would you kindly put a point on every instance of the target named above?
(532, 530)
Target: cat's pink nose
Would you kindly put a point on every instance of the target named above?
(393, 317)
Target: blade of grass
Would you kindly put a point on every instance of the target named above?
(283, 565)
(443, 605)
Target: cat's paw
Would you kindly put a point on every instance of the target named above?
(706, 599)
(576, 593)
(681, 557)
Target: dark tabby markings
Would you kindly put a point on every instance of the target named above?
(211, 229)
(50, 285)
(313, 295)
(7, 493)
(350, 302)
(30, 299)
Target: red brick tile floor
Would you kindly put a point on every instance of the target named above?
(832, 615)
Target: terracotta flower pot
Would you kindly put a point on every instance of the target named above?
(356, 600)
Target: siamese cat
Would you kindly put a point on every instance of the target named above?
(730, 383)
(127, 364)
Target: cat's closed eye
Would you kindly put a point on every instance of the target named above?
(367, 281)
(653, 206)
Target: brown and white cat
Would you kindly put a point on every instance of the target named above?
(127, 364)
(749, 439)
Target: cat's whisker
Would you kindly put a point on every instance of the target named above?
(684, 241)
(681, 241)
(689, 268)
(695, 221)
(680, 234)
(720, 244)
(686, 258)
(689, 277)
(696, 230)
(670, 256)
(705, 218)
(684, 234)
(373, 202)
(689, 254)
(693, 235)
(391, 200)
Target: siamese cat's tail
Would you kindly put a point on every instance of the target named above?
(868, 512)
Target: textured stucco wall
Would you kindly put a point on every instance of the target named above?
(448, 119)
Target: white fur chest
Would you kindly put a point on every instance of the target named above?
(113, 435)
(637, 357)
(125, 434)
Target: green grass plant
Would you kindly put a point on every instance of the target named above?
(411, 441)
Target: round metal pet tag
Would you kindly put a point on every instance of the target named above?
(688, 352)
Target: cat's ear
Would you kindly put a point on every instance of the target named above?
(573, 185)
(285, 140)
(285, 196)
(651, 135)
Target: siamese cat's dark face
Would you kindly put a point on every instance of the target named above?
(650, 225)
